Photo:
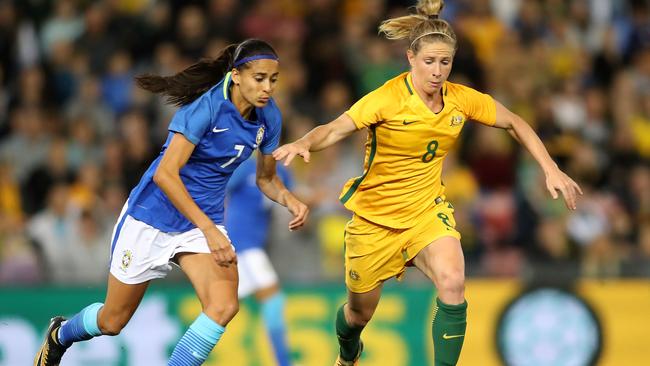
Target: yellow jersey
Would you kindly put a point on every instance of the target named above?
(406, 146)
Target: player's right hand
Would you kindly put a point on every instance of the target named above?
(289, 151)
(220, 247)
(299, 211)
(557, 180)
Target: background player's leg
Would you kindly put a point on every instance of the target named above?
(352, 317)
(443, 262)
(216, 288)
(257, 276)
(272, 301)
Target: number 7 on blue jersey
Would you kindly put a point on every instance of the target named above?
(240, 149)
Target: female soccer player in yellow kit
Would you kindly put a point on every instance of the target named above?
(401, 217)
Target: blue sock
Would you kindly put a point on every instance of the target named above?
(82, 326)
(195, 345)
(273, 314)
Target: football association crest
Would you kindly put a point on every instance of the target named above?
(260, 136)
(456, 121)
(354, 275)
(127, 257)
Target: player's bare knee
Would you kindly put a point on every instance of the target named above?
(359, 317)
(452, 283)
(222, 312)
(112, 326)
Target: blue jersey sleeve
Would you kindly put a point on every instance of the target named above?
(193, 120)
(273, 120)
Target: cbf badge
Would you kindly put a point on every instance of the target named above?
(260, 136)
(127, 257)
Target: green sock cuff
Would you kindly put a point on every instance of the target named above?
(452, 309)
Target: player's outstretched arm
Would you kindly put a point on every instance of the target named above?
(317, 139)
(271, 185)
(556, 179)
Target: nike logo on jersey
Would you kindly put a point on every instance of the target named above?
(217, 130)
(408, 122)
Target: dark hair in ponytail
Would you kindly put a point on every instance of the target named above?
(186, 86)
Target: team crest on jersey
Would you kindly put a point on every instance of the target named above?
(354, 275)
(456, 121)
(127, 257)
(260, 136)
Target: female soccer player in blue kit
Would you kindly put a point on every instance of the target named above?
(175, 213)
(248, 215)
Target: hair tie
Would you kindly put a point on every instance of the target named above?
(432, 16)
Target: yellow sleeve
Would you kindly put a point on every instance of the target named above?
(478, 106)
(369, 109)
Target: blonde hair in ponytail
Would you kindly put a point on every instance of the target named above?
(425, 24)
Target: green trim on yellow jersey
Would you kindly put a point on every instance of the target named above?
(357, 182)
(407, 84)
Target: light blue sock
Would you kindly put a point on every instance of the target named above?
(273, 314)
(81, 327)
(195, 345)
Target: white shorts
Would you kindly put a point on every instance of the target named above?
(140, 252)
(255, 271)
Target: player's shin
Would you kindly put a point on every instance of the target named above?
(348, 336)
(273, 314)
(81, 327)
(195, 345)
(448, 330)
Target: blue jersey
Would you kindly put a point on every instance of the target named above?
(249, 212)
(223, 139)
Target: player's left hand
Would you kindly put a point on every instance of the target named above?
(299, 210)
(557, 180)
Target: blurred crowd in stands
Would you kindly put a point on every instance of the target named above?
(76, 134)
